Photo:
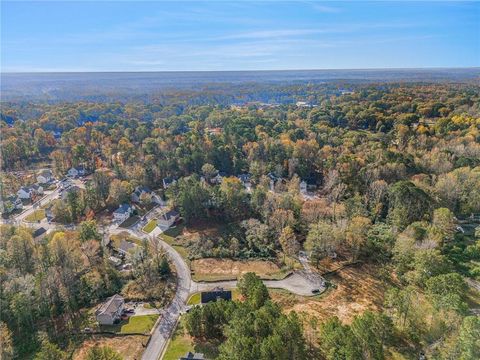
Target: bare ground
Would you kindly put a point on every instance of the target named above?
(211, 266)
(129, 347)
(358, 289)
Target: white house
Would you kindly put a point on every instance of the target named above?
(122, 213)
(73, 172)
(303, 187)
(110, 311)
(26, 192)
(76, 171)
(168, 219)
(10, 204)
(45, 176)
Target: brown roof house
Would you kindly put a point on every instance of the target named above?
(110, 311)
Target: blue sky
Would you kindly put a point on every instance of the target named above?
(241, 35)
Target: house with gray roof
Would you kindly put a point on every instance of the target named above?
(110, 311)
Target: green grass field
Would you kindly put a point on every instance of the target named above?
(139, 324)
(181, 343)
(37, 215)
(150, 226)
(194, 299)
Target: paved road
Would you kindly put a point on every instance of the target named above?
(49, 196)
(301, 282)
(163, 331)
(296, 283)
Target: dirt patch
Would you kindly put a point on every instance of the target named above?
(358, 289)
(211, 266)
(129, 347)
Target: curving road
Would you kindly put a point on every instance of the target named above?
(167, 323)
(300, 282)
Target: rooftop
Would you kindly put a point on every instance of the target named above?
(122, 209)
(110, 306)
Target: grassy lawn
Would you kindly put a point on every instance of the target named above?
(194, 299)
(174, 232)
(150, 226)
(181, 343)
(169, 237)
(132, 220)
(37, 215)
(139, 324)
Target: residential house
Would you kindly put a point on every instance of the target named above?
(215, 294)
(168, 181)
(125, 247)
(168, 219)
(274, 179)
(65, 183)
(122, 213)
(40, 233)
(192, 356)
(218, 179)
(303, 104)
(11, 203)
(76, 171)
(110, 311)
(141, 193)
(27, 192)
(303, 187)
(45, 176)
(245, 179)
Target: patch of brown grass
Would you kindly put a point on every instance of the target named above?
(129, 347)
(358, 289)
(212, 266)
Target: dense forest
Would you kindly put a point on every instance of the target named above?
(395, 169)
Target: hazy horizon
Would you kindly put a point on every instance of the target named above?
(253, 70)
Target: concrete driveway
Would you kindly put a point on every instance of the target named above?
(296, 283)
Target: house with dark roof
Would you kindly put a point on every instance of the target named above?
(245, 178)
(141, 192)
(168, 219)
(122, 213)
(215, 294)
(39, 233)
(110, 311)
(168, 181)
(192, 356)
